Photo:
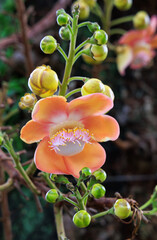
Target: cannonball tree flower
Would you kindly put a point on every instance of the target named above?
(69, 133)
(136, 47)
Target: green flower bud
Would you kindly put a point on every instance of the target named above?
(98, 190)
(122, 208)
(100, 175)
(93, 27)
(51, 196)
(1, 138)
(123, 5)
(141, 20)
(60, 11)
(108, 92)
(82, 219)
(99, 52)
(93, 85)
(59, 178)
(48, 44)
(63, 19)
(87, 57)
(64, 33)
(101, 37)
(85, 172)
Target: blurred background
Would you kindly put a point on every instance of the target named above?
(131, 163)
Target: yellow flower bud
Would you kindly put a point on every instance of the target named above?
(93, 85)
(141, 20)
(123, 5)
(27, 101)
(108, 92)
(99, 52)
(43, 81)
(84, 9)
(89, 59)
(90, 3)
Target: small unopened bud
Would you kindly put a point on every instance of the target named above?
(64, 33)
(122, 208)
(82, 219)
(93, 85)
(100, 175)
(1, 138)
(48, 44)
(60, 11)
(123, 5)
(85, 172)
(93, 27)
(52, 196)
(43, 81)
(99, 52)
(27, 101)
(101, 37)
(141, 20)
(88, 59)
(62, 19)
(98, 190)
(84, 9)
(108, 92)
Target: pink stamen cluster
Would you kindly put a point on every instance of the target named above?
(71, 135)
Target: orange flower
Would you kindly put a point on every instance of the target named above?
(69, 133)
(136, 47)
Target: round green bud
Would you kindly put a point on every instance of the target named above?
(48, 44)
(90, 3)
(60, 11)
(62, 19)
(51, 196)
(93, 27)
(100, 175)
(64, 33)
(101, 37)
(98, 190)
(84, 9)
(99, 52)
(82, 219)
(85, 172)
(122, 208)
(141, 20)
(123, 5)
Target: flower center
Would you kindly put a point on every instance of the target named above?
(68, 142)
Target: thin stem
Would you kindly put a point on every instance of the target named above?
(106, 20)
(62, 52)
(121, 20)
(83, 187)
(69, 62)
(6, 185)
(78, 78)
(84, 24)
(117, 31)
(70, 201)
(78, 55)
(58, 212)
(49, 182)
(79, 200)
(73, 92)
(18, 166)
(110, 211)
(81, 45)
(31, 169)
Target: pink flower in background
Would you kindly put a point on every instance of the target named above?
(136, 47)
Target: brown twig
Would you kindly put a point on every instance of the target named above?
(23, 23)
(44, 24)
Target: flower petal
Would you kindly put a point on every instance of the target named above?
(132, 37)
(93, 104)
(153, 42)
(124, 58)
(34, 131)
(104, 128)
(50, 110)
(93, 156)
(48, 160)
